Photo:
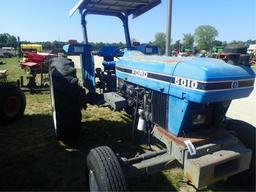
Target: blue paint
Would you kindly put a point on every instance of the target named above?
(151, 84)
(109, 51)
(199, 69)
(87, 64)
(109, 65)
(195, 69)
(208, 69)
(178, 112)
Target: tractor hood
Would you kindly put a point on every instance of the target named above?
(191, 78)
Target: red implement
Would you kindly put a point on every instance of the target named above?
(36, 61)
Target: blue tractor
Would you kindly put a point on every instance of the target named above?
(181, 102)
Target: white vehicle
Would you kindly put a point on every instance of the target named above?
(252, 49)
(7, 52)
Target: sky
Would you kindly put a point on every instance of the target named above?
(48, 20)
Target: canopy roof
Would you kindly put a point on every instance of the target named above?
(127, 7)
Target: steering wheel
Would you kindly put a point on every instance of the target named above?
(118, 52)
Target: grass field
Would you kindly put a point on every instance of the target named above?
(31, 158)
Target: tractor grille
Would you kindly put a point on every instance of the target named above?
(160, 110)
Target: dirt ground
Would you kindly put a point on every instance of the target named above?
(244, 109)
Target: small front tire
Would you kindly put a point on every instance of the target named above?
(104, 170)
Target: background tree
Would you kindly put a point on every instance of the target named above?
(204, 37)
(47, 45)
(224, 43)
(160, 40)
(177, 45)
(249, 42)
(237, 43)
(217, 43)
(7, 40)
(188, 41)
(3, 40)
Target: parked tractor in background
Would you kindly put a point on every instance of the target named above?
(12, 100)
(216, 50)
(180, 101)
(235, 54)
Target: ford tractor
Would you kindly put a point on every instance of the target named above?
(182, 102)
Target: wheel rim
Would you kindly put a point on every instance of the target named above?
(92, 182)
(53, 104)
(12, 106)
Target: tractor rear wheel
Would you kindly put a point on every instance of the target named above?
(246, 134)
(235, 49)
(12, 103)
(105, 172)
(66, 96)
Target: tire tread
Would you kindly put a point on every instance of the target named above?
(108, 162)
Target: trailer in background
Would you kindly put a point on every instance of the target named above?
(31, 48)
(7, 52)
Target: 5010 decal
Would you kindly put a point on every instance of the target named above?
(140, 73)
(186, 83)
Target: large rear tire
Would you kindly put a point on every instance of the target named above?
(66, 96)
(246, 134)
(105, 172)
(12, 102)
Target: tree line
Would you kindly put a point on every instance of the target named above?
(7, 40)
(204, 38)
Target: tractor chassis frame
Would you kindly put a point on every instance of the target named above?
(32, 86)
(217, 157)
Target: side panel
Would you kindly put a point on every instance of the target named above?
(87, 63)
(178, 110)
(139, 78)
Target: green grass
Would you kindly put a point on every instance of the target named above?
(254, 68)
(32, 159)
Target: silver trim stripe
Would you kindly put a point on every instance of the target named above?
(202, 86)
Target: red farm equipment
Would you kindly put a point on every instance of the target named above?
(36, 64)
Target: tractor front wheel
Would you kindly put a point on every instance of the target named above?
(105, 172)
